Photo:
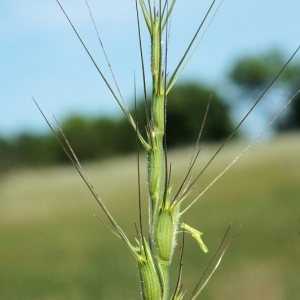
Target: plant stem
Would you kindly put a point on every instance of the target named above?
(156, 156)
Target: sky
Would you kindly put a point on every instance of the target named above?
(42, 58)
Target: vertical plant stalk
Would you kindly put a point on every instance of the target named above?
(156, 156)
(163, 220)
(164, 212)
(153, 254)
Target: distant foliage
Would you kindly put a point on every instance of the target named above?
(96, 138)
(186, 110)
(253, 73)
(102, 137)
(292, 82)
(7, 157)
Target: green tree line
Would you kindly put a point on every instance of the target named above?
(95, 138)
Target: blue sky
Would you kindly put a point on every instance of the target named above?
(41, 57)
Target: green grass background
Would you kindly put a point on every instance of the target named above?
(51, 246)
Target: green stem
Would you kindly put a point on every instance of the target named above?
(164, 216)
(157, 126)
(156, 155)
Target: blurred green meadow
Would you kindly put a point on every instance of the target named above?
(51, 246)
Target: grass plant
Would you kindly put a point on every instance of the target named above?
(155, 239)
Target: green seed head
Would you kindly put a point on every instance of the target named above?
(150, 280)
(167, 224)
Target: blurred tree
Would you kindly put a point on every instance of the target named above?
(7, 155)
(292, 119)
(90, 138)
(187, 104)
(253, 73)
(30, 149)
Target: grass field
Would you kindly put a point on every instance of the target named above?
(51, 247)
